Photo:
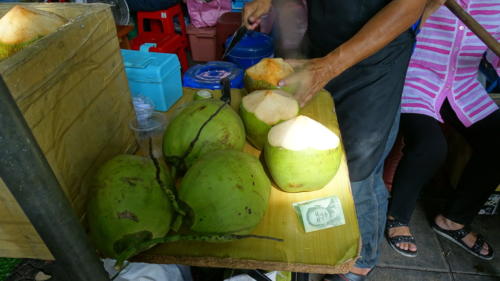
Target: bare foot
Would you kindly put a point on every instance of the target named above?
(469, 239)
(402, 231)
(360, 271)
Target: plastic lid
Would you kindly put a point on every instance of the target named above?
(253, 44)
(208, 76)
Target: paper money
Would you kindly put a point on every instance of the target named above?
(320, 213)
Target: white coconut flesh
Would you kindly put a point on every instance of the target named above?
(271, 70)
(271, 106)
(23, 24)
(301, 133)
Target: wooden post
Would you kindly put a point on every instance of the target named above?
(474, 26)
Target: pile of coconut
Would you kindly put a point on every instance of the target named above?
(210, 189)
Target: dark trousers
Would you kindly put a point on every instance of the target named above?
(425, 151)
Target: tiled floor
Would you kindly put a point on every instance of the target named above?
(438, 259)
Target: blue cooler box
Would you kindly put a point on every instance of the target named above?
(154, 75)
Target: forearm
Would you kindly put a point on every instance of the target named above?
(384, 27)
(430, 8)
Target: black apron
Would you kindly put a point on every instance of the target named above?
(367, 96)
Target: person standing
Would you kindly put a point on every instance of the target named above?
(359, 50)
(442, 87)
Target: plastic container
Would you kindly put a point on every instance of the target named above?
(154, 75)
(253, 47)
(149, 134)
(208, 76)
(203, 95)
(238, 5)
(202, 42)
(225, 27)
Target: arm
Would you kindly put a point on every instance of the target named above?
(384, 27)
(430, 8)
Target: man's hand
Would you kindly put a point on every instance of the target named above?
(253, 12)
(309, 78)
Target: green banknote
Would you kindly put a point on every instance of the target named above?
(320, 213)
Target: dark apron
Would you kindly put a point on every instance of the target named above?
(367, 96)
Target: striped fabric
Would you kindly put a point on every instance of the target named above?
(445, 64)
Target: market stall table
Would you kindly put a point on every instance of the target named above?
(331, 250)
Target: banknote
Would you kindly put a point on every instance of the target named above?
(321, 213)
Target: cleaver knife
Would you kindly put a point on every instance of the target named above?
(238, 34)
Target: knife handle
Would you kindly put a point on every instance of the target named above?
(226, 90)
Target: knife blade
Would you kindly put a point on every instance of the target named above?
(238, 34)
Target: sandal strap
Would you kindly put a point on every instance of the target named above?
(478, 245)
(455, 234)
(402, 239)
(394, 223)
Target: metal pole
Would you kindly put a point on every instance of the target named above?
(29, 177)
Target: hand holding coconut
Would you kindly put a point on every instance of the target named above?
(310, 77)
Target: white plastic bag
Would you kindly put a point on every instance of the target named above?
(149, 272)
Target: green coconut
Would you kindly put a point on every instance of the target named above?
(302, 154)
(128, 206)
(226, 191)
(23, 25)
(263, 109)
(266, 75)
(219, 125)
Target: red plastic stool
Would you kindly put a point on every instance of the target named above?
(171, 44)
(161, 21)
(162, 32)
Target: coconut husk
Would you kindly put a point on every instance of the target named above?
(22, 25)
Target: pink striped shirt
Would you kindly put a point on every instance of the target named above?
(445, 64)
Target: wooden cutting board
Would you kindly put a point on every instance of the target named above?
(327, 251)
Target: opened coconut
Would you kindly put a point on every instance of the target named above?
(267, 74)
(261, 110)
(23, 25)
(226, 191)
(128, 206)
(302, 154)
(202, 126)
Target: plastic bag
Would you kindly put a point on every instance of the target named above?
(149, 272)
(204, 13)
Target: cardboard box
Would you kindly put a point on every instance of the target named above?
(72, 90)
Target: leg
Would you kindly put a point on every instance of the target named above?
(481, 175)
(423, 154)
(370, 199)
(478, 181)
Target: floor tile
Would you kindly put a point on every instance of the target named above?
(469, 277)
(392, 274)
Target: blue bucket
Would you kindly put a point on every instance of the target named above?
(253, 47)
(208, 76)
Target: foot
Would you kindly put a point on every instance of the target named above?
(356, 274)
(469, 239)
(401, 231)
(360, 271)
